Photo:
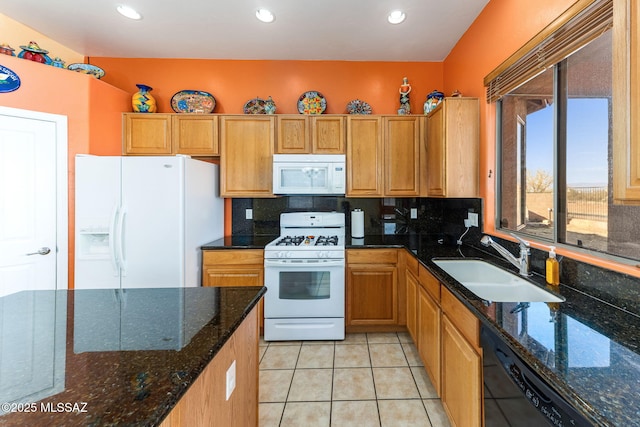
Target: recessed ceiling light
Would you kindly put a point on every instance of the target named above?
(128, 12)
(265, 15)
(396, 17)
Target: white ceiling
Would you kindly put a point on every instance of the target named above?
(352, 30)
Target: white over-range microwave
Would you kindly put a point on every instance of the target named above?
(309, 174)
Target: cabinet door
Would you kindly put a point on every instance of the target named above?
(365, 151)
(293, 135)
(626, 102)
(372, 291)
(461, 378)
(402, 155)
(436, 140)
(246, 156)
(195, 134)
(412, 305)
(147, 134)
(428, 339)
(327, 135)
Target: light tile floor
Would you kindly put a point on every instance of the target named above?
(365, 380)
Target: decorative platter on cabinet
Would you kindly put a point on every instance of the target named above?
(254, 106)
(358, 107)
(312, 102)
(193, 101)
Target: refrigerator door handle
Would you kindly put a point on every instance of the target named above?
(120, 241)
(112, 240)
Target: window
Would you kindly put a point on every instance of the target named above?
(555, 156)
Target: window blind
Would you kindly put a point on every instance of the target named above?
(581, 23)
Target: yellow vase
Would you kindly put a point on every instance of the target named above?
(142, 101)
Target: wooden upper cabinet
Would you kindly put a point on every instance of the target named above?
(402, 136)
(327, 134)
(310, 134)
(246, 156)
(195, 134)
(293, 135)
(147, 134)
(626, 102)
(168, 134)
(365, 153)
(453, 144)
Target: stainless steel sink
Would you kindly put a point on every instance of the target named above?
(492, 283)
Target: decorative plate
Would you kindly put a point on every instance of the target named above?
(358, 107)
(312, 102)
(92, 70)
(193, 101)
(254, 106)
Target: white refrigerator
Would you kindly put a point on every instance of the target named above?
(140, 221)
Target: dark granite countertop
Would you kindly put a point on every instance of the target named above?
(587, 349)
(110, 357)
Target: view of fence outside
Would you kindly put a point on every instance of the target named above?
(587, 203)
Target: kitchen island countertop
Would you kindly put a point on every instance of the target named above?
(111, 357)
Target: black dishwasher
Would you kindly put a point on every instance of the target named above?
(515, 395)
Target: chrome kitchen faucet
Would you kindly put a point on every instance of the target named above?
(522, 263)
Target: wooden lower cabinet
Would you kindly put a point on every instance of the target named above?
(412, 305)
(461, 374)
(371, 288)
(429, 340)
(229, 267)
(205, 403)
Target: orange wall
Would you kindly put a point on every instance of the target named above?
(501, 29)
(90, 106)
(234, 82)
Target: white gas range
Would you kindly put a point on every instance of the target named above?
(304, 275)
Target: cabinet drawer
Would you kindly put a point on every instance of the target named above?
(466, 322)
(429, 282)
(233, 257)
(372, 256)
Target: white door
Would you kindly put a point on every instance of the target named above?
(32, 204)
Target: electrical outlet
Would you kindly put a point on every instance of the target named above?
(248, 214)
(473, 219)
(414, 213)
(231, 379)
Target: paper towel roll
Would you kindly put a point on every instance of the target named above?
(357, 223)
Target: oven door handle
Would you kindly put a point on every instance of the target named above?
(304, 263)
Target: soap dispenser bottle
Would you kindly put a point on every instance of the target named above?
(553, 268)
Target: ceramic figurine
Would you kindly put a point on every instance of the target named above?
(405, 90)
(269, 106)
(142, 101)
(5, 49)
(58, 62)
(433, 99)
(32, 52)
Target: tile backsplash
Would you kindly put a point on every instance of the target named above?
(382, 215)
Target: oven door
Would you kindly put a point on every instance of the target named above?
(304, 288)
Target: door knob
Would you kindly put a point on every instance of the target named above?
(41, 251)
